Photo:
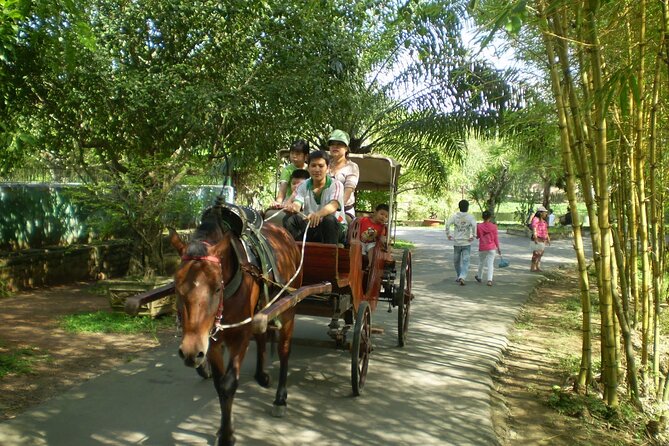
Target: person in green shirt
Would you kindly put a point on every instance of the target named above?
(299, 150)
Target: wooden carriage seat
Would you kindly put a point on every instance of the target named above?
(325, 263)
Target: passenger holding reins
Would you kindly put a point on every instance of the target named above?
(321, 198)
(343, 169)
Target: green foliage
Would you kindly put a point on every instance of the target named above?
(572, 303)
(105, 322)
(4, 289)
(19, 361)
(137, 98)
(524, 320)
(367, 200)
(186, 204)
(569, 365)
(403, 244)
(35, 216)
(664, 322)
(576, 405)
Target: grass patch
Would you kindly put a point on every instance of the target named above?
(402, 244)
(4, 289)
(524, 320)
(573, 304)
(569, 364)
(19, 361)
(105, 322)
(567, 322)
(664, 322)
(577, 405)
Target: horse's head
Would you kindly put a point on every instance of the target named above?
(199, 289)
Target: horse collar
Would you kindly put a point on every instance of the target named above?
(233, 284)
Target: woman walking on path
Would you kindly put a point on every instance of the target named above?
(540, 237)
(486, 232)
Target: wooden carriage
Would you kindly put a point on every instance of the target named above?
(357, 284)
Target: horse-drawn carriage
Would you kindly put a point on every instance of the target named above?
(241, 276)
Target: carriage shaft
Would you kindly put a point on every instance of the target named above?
(261, 319)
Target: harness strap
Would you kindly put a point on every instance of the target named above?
(233, 285)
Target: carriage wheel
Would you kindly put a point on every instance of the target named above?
(361, 347)
(204, 370)
(403, 299)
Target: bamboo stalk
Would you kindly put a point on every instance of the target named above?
(625, 328)
(599, 130)
(655, 214)
(567, 140)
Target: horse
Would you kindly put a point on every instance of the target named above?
(209, 263)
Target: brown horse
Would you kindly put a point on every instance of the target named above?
(209, 264)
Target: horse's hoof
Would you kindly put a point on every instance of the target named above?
(263, 379)
(279, 411)
(220, 441)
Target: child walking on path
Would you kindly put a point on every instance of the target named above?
(486, 232)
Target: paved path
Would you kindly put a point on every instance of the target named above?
(435, 391)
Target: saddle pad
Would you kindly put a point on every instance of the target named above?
(240, 219)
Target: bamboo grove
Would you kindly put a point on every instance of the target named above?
(607, 71)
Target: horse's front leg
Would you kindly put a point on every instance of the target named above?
(226, 381)
(261, 376)
(285, 338)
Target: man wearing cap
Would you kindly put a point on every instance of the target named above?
(321, 198)
(343, 169)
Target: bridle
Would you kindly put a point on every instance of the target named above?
(218, 326)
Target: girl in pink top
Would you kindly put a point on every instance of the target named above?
(540, 237)
(486, 232)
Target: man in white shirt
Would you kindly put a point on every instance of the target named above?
(551, 217)
(465, 230)
(321, 198)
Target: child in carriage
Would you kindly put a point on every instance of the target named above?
(374, 228)
(299, 150)
(296, 178)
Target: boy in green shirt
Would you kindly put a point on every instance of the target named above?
(298, 157)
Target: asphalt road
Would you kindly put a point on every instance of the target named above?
(434, 391)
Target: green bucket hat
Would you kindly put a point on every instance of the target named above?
(339, 135)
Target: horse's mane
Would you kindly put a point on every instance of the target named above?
(210, 230)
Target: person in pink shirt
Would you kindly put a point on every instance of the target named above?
(540, 237)
(486, 232)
